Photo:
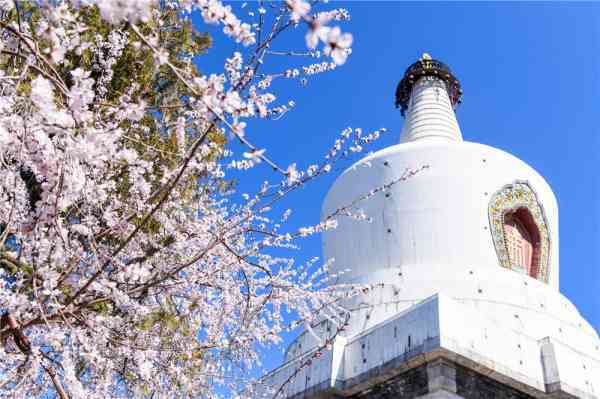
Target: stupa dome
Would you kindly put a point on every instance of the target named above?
(453, 214)
(436, 223)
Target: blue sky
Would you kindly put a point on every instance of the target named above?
(531, 87)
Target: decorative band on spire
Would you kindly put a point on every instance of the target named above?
(427, 66)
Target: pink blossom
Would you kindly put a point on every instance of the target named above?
(298, 9)
(337, 44)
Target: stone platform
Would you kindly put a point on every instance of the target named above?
(441, 348)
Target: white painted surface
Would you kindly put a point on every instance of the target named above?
(438, 217)
(575, 371)
(430, 114)
(507, 298)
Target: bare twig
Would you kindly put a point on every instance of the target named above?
(56, 382)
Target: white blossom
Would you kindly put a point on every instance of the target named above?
(292, 174)
(298, 9)
(6, 5)
(255, 155)
(42, 95)
(337, 44)
(115, 11)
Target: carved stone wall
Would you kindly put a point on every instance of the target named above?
(471, 385)
(441, 377)
(409, 385)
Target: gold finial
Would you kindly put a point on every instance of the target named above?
(426, 57)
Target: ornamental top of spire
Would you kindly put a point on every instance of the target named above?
(427, 66)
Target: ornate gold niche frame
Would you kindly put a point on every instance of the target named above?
(511, 198)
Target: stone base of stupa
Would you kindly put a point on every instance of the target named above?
(440, 348)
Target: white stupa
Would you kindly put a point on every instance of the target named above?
(463, 258)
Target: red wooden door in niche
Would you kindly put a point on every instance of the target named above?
(519, 243)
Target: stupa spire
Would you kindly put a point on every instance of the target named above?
(427, 96)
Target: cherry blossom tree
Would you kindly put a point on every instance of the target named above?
(129, 264)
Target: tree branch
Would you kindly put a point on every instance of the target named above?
(56, 382)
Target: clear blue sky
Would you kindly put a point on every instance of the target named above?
(530, 73)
